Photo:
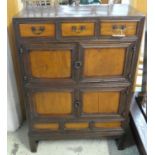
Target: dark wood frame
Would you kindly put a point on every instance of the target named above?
(48, 47)
(128, 60)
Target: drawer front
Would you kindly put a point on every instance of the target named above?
(52, 62)
(37, 30)
(103, 102)
(46, 126)
(55, 103)
(78, 126)
(107, 125)
(118, 28)
(81, 29)
(101, 62)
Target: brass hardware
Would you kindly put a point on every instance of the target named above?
(80, 29)
(38, 30)
(119, 30)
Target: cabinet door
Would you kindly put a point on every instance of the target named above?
(106, 62)
(103, 101)
(51, 103)
(49, 62)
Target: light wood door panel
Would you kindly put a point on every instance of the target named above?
(99, 102)
(51, 64)
(104, 62)
(56, 103)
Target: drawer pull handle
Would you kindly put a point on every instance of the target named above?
(78, 30)
(77, 64)
(38, 30)
(119, 30)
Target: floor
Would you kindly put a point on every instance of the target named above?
(18, 145)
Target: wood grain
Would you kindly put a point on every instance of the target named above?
(107, 30)
(103, 61)
(66, 29)
(76, 125)
(53, 103)
(100, 102)
(26, 31)
(107, 124)
(51, 126)
(50, 64)
(104, 1)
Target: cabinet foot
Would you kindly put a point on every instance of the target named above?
(33, 145)
(120, 142)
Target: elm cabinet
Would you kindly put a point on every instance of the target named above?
(77, 70)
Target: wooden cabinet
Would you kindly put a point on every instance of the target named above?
(77, 71)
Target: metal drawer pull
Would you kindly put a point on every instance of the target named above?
(77, 64)
(119, 31)
(38, 30)
(78, 30)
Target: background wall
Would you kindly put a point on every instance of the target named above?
(14, 117)
(15, 112)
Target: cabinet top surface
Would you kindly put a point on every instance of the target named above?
(86, 11)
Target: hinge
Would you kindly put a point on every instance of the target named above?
(21, 50)
(127, 92)
(134, 48)
(91, 124)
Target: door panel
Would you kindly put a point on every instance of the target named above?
(51, 102)
(101, 102)
(98, 102)
(101, 62)
(49, 62)
(106, 62)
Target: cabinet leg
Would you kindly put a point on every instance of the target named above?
(33, 145)
(120, 142)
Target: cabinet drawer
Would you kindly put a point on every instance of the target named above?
(107, 125)
(78, 29)
(77, 125)
(93, 125)
(118, 28)
(46, 126)
(37, 30)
